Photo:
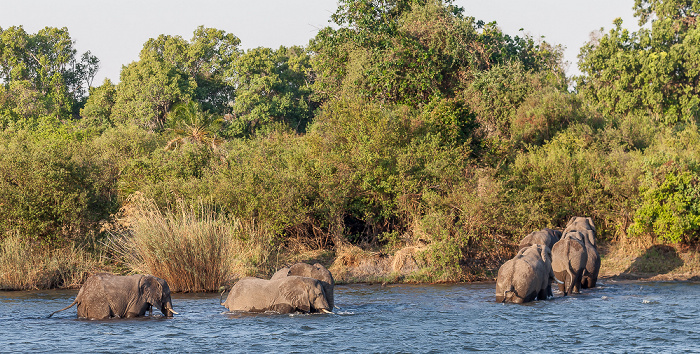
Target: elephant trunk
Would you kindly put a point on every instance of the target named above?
(168, 310)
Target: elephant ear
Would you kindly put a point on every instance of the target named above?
(543, 253)
(296, 293)
(152, 290)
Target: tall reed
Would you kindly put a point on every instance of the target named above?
(192, 247)
(27, 266)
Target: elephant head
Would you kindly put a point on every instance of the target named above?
(156, 292)
(305, 294)
(316, 271)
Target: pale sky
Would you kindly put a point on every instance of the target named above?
(115, 30)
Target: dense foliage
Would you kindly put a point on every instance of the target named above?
(407, 124)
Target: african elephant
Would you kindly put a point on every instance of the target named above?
(547, 237)
(115, 296)
(283, 295)
(316, 271)
(526, 277)
(569, 258)
(585, 226)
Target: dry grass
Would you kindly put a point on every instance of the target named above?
(192, 247)
(647, 258)
(25, 266)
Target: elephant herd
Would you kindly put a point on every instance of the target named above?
(300, 288)
(570, 258)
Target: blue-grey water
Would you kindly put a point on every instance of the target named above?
(617, 317)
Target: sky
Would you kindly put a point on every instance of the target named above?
(115, 30)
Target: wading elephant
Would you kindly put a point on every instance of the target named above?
(316, 271)
(569, 258)
(585, 226)
(115, 296)
(283, 295)
(526, 277)
(547, 237)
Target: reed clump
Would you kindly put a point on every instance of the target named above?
(27, 266)
(192, 246)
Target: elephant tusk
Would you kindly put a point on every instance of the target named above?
(326, 311)
(173, 311)
(558, 281)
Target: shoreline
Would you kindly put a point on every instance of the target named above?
(640, 259)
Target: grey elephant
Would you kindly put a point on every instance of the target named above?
(316, 271)
(526, 277)
(569, 258)
(585, 226)
(547, 237)
(106, 296)
(283, 295)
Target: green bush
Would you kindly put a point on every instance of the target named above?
(52, 189)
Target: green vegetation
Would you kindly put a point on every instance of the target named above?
(410, 130)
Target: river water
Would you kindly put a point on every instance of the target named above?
(621, 317)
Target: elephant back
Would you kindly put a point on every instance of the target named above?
(250, 294)
(546, 237)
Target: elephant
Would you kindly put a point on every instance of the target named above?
(283, 295)
(569, 258)
(316, 271)
(106, 296)
(547, 237)
(526, 277)
(585, 226)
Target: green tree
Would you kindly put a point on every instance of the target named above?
(188, 123)
(411, 52)
(272, 88)
(172, 70)
(48, 64)
(654, 71)
(98, 107)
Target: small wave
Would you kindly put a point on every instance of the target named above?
(344, 313)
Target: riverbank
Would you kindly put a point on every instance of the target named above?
(628, 259)
(647, 259)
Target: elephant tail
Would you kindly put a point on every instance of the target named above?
(572, 279)
(65, 308)
(509, 291)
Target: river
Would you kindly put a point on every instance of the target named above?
(624, 316)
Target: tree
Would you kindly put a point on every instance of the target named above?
(188, 123)
(412, 52)
(98, 107)
(47, 63)
(272, 87)
(172, 70)
(652, 72)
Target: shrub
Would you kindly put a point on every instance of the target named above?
(671, 210)
(52, 189)
(192, 247)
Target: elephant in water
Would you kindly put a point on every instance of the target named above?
(526, 277)
(115, 296)
(547, 237)
(585, 226)
(316, 271)
(569, 258)
(283, 295)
